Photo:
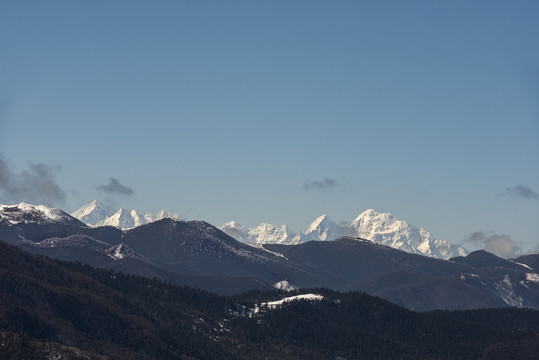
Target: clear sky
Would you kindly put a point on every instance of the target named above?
(278, 111)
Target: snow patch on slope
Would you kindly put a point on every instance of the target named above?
(261, 247)
(506, 292)
(121, 251)
(523, 265)
(275, 304)
(532, 277)
(285, 286)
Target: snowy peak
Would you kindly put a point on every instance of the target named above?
(367, 216)
(271, 234)
(39, 214)
(123, 219)
(237, 231)
(262, 234)
(320, 222)
(98, 214)
(380, 228)
(370, 224)
(322, 228)
(163, 214)
(386, 229)
(93, 213)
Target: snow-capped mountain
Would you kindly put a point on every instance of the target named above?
(380, 228)
(386, 229)
(262, 234)
(93, 213)
(39, 214)
(195, 253)
(163, 214)
(97, 214)
(123, 219)
(323, 228)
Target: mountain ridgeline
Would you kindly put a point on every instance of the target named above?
(381, 228)
(195, 253)
(98, 214)
(65, 310)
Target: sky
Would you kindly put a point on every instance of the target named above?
(278, 111)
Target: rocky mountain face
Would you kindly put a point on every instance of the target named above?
(380, 228)
(198, 254)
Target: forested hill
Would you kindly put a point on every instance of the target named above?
(72, 311)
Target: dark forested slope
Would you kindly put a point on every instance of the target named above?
(69, 310)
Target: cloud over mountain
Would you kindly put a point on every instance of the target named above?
(37, 185)
(114, 187)
(500, 245)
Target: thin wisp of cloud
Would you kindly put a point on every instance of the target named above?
(114, 187)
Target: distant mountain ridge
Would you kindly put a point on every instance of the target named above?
(380, 228)
(98, 214)
(198, 254)
(262, 234)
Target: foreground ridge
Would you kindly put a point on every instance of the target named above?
(59, 309)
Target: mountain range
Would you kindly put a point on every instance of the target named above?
(98, 214)
(65, 310)
(380, 228)
(198, 254)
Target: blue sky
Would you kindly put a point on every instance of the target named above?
(278, 111)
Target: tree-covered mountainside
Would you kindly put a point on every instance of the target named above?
(197, 254)
(73, 311)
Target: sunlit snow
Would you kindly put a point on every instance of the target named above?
(275, 304)
(507, 293)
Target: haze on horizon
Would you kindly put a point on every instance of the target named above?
(278, 112)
